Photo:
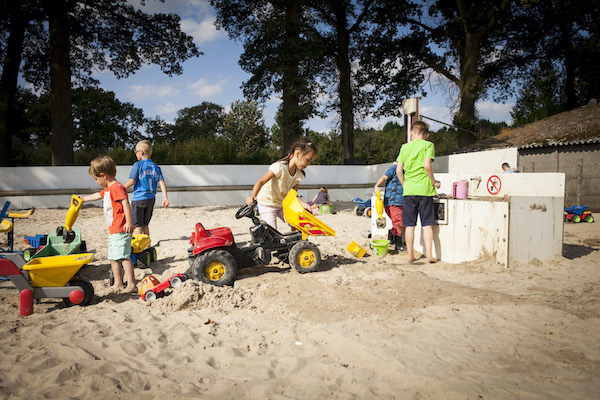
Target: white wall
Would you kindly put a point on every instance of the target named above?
(75, 180)
(523, 221)
(479, 161)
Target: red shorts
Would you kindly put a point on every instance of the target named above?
(395, 213)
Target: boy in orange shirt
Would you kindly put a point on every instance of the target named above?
(118, 217)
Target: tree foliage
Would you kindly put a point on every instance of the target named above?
(281, 53)
(201, 121)
(70, 39)
(244, 126)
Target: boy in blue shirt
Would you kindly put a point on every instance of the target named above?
(392, 202)
(144, 177)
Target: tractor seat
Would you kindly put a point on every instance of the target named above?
(5, 226)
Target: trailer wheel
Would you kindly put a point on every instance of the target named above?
(88, 292)
(217, 267)
(305, 257)
(358, 211)
(368, 212)
(576, 218)
(589, 219)
(28, 253)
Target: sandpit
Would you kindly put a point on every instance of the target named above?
(357, 328)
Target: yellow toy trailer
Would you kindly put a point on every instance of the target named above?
(49, 277)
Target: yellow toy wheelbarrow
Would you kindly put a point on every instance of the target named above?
(49, 277)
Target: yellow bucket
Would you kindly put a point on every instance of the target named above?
(356, 249)
(55, 270)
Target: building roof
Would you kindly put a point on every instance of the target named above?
(578, 126)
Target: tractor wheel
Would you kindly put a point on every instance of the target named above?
(28, 253)
(305, 257)
(217, 267)
(576, 218)
(589, 219)
(358, 211)
(88, 292)
(368, 212)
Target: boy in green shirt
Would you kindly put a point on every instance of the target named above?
(415, 173)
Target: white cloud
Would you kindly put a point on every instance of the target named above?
(204, 89)
(138, 92)
(274, 99)
(495, 111)
(168, 108)
(203, 31)
(441, 113)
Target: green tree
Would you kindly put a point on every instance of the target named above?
(540, 97)
(243, 125)
(78, 37)
(280, 52)
(340, 25)
(101, 121)
(204, 120)
(475, 46)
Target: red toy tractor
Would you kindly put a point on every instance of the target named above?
(215, 257)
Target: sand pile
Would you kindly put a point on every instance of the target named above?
(194, 295)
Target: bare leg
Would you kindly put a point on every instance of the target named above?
(117, 275)
(138, 230)
(428, 239)
(410, 241)
(128, 267)
(146, 230)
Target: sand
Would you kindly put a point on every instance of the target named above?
(358, 328)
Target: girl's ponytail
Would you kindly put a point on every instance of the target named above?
(302, 144)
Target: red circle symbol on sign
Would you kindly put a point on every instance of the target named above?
(494, 184)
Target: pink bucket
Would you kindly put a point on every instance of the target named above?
(460, 189)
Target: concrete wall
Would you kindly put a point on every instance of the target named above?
(480, 161)
(187, 185)
(521, 222)
(580, 163)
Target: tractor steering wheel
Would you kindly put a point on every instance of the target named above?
(245, 211)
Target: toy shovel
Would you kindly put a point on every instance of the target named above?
(379, 208)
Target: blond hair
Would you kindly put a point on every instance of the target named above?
(102, 165)
(421, 127)
(145, 146)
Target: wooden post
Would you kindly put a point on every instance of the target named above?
(579, 181)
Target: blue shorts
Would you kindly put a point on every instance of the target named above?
(418, 205)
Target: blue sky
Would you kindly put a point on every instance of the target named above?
(216, 77)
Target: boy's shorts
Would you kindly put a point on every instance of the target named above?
(119, 246)
(418, 205)
(141, 211)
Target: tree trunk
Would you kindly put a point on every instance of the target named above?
(469, 86)
(60, 83)
(290, 110)
(342, 61)
(8, 83)
(568, 60)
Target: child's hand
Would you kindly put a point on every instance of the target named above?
(250, 201)
(128, 227)
(166, 203)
